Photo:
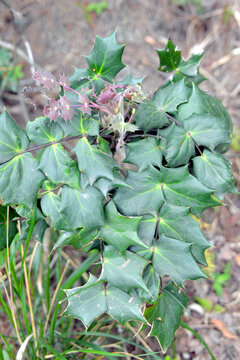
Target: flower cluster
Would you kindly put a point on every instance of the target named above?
(110, 101)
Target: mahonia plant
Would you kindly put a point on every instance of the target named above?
(144, 167)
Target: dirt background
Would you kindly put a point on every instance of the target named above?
(59, 35)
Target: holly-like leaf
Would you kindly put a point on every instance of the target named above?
(144, 152)
(12, 226)
(106, 58)
(82, 209)
(80, 125)
(94, 296)
(165, 314)
(151, 113)
(59, 167)
(93, 162)
(83, 78)
(147, 228)
(203, 104)
(77, 239)
(152, 281)
(190, 67)
(124, 272)
(215, 172)
(130, 81)
(86, 297)
(174, 258)
(169, 57)
(177, 223)
(150, 188)
(13, 138)
(179, 146)
(42, 131)
(119, 231)
(105, 185)
(20, 180)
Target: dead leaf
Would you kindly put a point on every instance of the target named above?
(222, 327)
(150, 40)
(237, 260)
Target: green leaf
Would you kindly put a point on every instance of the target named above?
(80, 302)
(115, 302)
(150, 188)
(190, 66)
(169, 57)
(106, 185)
(43, 131)
(106, 58)
(179, 146)
(119, 231)
(82, 208)
(166, 314)
(80, 125)
(124, 272)
(13, 138)
(77, 239)
(215, 172)
(38, 231)
(59, 167)
(218, 118)
(83, 78)
(144, 152)
(152, 281)
(147, 228)
(187, 229)
(50, 204)
(12, 226)
(151, 113)
(93, 162)
(174, 258)
(20, 180)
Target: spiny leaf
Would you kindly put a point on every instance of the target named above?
(106, 58)
(43, 131)
(144, 152)
(13, 138)
(82, 209)
(169, 57)
(152, 281)
(166, 314)
(129, 80)
(177, 223)
(83, 78)
(123, 272)
(115, 302)
(105, 185)
(58, 166)
(119, 231)
(150, 188)
(77, 239)
(50, 204)
(12, 226)
(215, 172)
(20, 180)
(93, 162)
(151, 113)
(172, 257)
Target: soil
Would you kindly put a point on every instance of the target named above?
(60, 36)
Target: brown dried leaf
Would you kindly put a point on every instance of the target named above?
(222, 327)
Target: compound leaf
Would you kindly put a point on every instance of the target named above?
(42, 131)
(119, 231)
(93, 162)
(20, 180)
(174, 258)
(215, 172)
(13, 138)
(166, 314)
(124, 272)
(58, 166)
(106, 58)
